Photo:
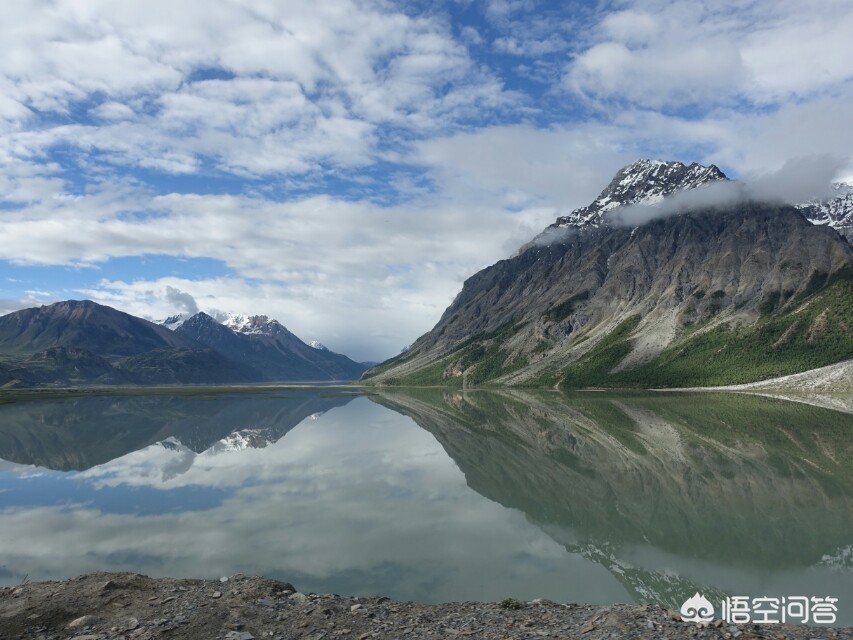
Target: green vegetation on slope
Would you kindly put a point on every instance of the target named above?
(490, 359)
(816, 333)
(597, 363)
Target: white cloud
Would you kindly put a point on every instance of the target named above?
(295, 84)
(182, 300)
(668, 54)
(470, 35)
(112, 111)
(30, 299)
(682, 72)
(366, 280)
(521, 165)
(530, 47)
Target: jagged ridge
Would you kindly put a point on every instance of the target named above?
(644, 181)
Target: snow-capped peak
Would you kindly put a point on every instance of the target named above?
(242, 323)
(316, 344)
(238, 323)
(235, 321)
(641, 181)
(175, 321)
(835, 211)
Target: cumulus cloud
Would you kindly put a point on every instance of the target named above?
(281, 89)
(363, 279)
(706, 54)
(798, 180)
(181, 300)
(514, 165)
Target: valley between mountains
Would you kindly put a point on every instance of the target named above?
(659, 282)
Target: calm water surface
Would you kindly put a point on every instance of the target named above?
(436, 496)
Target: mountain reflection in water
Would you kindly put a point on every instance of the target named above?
(433, 495)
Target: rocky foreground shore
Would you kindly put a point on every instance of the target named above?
(101, 605)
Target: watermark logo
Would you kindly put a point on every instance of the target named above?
(697, 609)
(788, 609)
(763, 610)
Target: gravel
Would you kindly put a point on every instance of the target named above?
(98, 606)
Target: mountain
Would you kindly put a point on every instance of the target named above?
(722, 295)
(83, 324)
(266, 347)
(80, 342)
(835, 211)
(84, 343)
(184, 366)
(649, 181)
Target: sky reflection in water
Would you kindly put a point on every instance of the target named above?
(434, 497)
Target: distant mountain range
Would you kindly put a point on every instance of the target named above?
(735, 292)
(268, 348)
(84, 343)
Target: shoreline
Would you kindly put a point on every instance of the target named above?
(102, 606)
(828, 387)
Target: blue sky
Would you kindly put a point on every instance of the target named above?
(343, 166)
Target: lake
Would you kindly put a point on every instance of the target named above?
(433, 495)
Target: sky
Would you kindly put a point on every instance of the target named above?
(343, 166)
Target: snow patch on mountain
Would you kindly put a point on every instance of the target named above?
(641, 182)
(254, 325)
(246, 324)
(835, 211)
(175, 321)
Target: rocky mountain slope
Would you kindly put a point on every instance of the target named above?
(721, 295)
(84, 343)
